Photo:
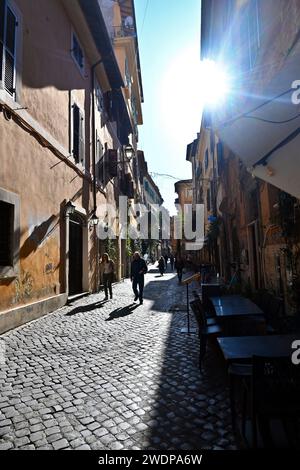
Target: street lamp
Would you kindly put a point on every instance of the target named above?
(129, 152)
(70, 207)
(93, 221)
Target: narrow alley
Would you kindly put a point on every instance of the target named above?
(113, 375)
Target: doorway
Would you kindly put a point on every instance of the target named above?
(75, 254)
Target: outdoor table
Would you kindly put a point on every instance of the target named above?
(234, 305)
(242, 348)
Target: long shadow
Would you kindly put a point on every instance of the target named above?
(86, 308)
(122, 312)
(188, 410)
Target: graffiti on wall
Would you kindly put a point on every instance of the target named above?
(24, 286)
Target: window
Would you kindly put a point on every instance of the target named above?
(8, 25)
(6, 233)
(77, 52)
(9, 234)
(220, 157)
(206, 159)
(99, 98)
(208, 201)
(78, 134)
(253, 25)
(250, 36)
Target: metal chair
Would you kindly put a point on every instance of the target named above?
(275, 391)
(204, 330)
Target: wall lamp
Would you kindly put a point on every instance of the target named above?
(70, 207)
(128, 151)
(93, 221)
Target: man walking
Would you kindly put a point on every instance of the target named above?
(172, 259)
(138, 270)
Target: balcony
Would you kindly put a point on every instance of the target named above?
(123, 32)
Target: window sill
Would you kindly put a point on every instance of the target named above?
(9, 272)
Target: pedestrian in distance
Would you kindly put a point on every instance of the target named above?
(166, 261)
(137, 276)
(107, 268)
(161, 265)
(172, 261)
(179, 265)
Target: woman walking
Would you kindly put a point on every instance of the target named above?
(161, 265)
(107, 268)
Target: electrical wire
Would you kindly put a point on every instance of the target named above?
(272, 122)
(143, 22)
(163, 175)
(244, 115)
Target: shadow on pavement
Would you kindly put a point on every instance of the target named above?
(189, 410)
(122, 312)
(86, 308)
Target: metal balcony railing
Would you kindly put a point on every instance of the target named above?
(123, 32)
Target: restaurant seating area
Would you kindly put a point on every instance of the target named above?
(255, 339)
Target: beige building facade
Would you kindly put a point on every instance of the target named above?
(64, 124)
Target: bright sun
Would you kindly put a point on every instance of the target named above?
(188, 85)
(214, 83)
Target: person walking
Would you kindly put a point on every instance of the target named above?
(107, 268)
(179, 265)
(161, 265)
(172, 261)
(137, 273)
(166, 257)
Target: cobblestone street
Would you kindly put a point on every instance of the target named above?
(113, 375)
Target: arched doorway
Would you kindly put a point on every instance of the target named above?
(75, 254)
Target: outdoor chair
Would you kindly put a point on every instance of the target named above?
(275, 391)
(239, 375)
(204, 329)
(210, 312)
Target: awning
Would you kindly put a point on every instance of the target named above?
(265, 132)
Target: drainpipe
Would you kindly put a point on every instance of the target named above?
(100, 61)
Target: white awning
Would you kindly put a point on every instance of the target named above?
(265, 133)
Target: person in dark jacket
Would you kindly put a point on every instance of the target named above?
(138, 270)
(172, 259)
(179, 265)
(161, 265)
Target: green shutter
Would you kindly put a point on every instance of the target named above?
(9, 56)
(2, 21)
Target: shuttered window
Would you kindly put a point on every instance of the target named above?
(77, 52)
(6, 233)
(78, 134)
(8, 25)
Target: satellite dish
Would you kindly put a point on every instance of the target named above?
(128, 22)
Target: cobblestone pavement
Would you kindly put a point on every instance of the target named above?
(113, 375)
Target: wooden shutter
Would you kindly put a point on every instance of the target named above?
(2, 18)
(76, 126)
(9, 54)
(81, 136)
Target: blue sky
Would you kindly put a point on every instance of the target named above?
(169, 47)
